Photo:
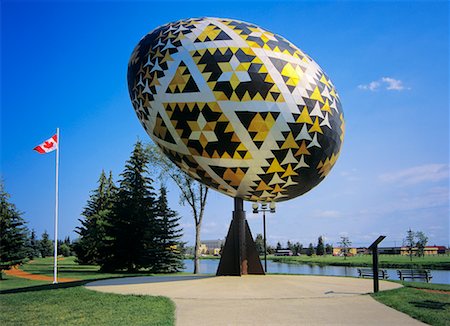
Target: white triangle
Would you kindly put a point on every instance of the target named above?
(302, 163)
(303, 134)
(289, 182)
(326, 93)
(275, 180)
(334, 106)
(149, 63)
(317, 111)
(279, 195)
(156, 66)
(158, 44)
(146, 88)
(326, 122)
(140, 81)
(314, 142)
(266, 194)
(289, 158)
(168, 45)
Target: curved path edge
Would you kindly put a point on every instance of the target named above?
(265, 300)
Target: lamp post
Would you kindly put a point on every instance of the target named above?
(263, 208)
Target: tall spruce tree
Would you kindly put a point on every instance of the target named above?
(32, 245)
(320, 251)
(88, 248)
(131, 228)
(13, 233)
(46, 245)
(170, 258)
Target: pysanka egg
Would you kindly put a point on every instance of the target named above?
(237, 107)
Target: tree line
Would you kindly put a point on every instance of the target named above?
(130, 227)
(17, 242)
(296, 248)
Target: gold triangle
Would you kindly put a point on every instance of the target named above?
(289, 142)
(316, 127)
(316, 95)
(289, 171)
(304, 116)
(275, 167)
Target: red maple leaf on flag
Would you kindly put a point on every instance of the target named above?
(49, 144)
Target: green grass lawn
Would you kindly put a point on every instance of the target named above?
(385, 261)
(27, 302)
(415, 301)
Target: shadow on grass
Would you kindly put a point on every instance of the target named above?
(429, 304)
(115, 280)
(46, 287)
(147, 279)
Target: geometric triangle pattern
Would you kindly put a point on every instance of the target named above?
(237, 107)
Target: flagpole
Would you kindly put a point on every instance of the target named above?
(55, 268)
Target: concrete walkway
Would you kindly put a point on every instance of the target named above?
(265, 300)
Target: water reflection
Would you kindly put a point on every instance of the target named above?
(209, 266)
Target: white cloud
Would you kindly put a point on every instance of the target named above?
(393, 84)
(387, 83)
(372, 86)
(417, 174)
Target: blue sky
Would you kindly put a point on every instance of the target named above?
(64, 64)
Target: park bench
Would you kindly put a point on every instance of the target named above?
(368, 272)
(414, 274)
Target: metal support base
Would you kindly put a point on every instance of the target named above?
(239, 254)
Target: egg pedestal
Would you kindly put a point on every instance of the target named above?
(239, 254)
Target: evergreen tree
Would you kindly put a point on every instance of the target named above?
(169, 256)
(46, 245)
(33, 246)
(132, 227)
(13, 233)
(259, 242)
(328, 249)
(290, 246)
(310, 250)
(88, 248)
(320, 251)
(279, 247)
(297, 248)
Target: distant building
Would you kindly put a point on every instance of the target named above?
(428, 250)
(283, 252)
(338, 251)
(362, 251)
(389, 250)
(211, 247)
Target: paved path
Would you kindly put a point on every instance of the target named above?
(265, 300)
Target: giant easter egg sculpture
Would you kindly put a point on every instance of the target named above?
(237, 107)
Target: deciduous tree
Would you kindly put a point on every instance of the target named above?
(345, 244)
(421, 243)
(192, 192)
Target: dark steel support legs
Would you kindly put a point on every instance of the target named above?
(239, 254)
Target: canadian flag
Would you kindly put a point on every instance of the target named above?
(47, 146)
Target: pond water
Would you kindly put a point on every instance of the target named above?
(209, 266)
